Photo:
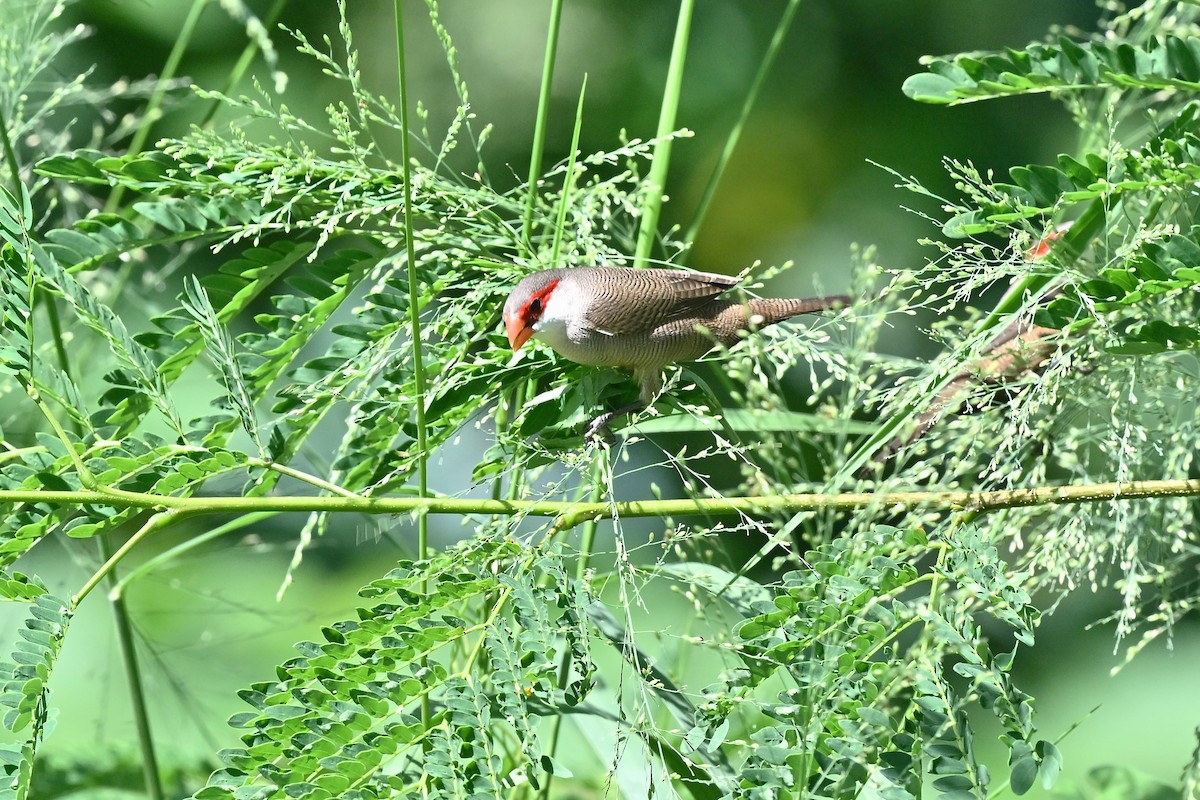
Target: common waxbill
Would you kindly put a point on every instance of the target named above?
(639, 319)
(1020, 349)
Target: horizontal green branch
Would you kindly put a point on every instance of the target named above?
(569, 514)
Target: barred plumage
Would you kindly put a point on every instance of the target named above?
(640, 319)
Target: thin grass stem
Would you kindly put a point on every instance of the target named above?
(569, 178)
(154, 104)
(133, 675)
(735, 133)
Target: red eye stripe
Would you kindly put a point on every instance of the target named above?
(537, 303)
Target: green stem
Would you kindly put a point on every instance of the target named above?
(133, 675)
(299, 475)
(569, 178)
(124, 627)
(191, 544)
(414, 311)
(657, 179)
(414, 294)
(243, 62)
(512, 400)
(10, 156)
(512, 396)
(595, 473)
(731, 142)
(589, 534)
(21, 196)
(541, 123)
(85, 475)
(569, 514)
(154, 104)
(111, 559)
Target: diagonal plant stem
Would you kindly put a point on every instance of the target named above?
(19, 191)
(10, 156)
(657, 179)
(568, 178)
(243, 62)
(154, 104)
(155, 523)
(167, 556)
(735, 134)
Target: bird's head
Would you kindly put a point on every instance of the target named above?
(525, 306)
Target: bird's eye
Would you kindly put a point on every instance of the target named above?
(535, 306)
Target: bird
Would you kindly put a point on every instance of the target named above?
(1021, 348)
(641, 320)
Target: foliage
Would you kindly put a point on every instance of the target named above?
(866, 666)
(23, 690)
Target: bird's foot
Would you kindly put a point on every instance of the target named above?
(598, 431)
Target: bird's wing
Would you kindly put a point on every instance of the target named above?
(655, 296)
(658, 296)
(687, 285)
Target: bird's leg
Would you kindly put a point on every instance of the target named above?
(650, 381)
(598, 428)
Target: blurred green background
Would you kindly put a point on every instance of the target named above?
(800, 187)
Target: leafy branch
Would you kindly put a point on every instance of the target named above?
(318, 316)
(569, 513)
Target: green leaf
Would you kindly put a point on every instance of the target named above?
(78, 168)
(221, 350)
(1163, 62)
(1023, 774)
(930, 88)
(1050, 760)
(745, 420)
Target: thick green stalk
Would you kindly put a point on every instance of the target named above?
(540, 124)
(414, 289)
(414, 311)
(569, 514)
(133, 675)
(657, 179)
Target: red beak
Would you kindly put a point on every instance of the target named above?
(518, 331)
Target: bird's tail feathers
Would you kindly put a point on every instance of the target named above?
(774, 309)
